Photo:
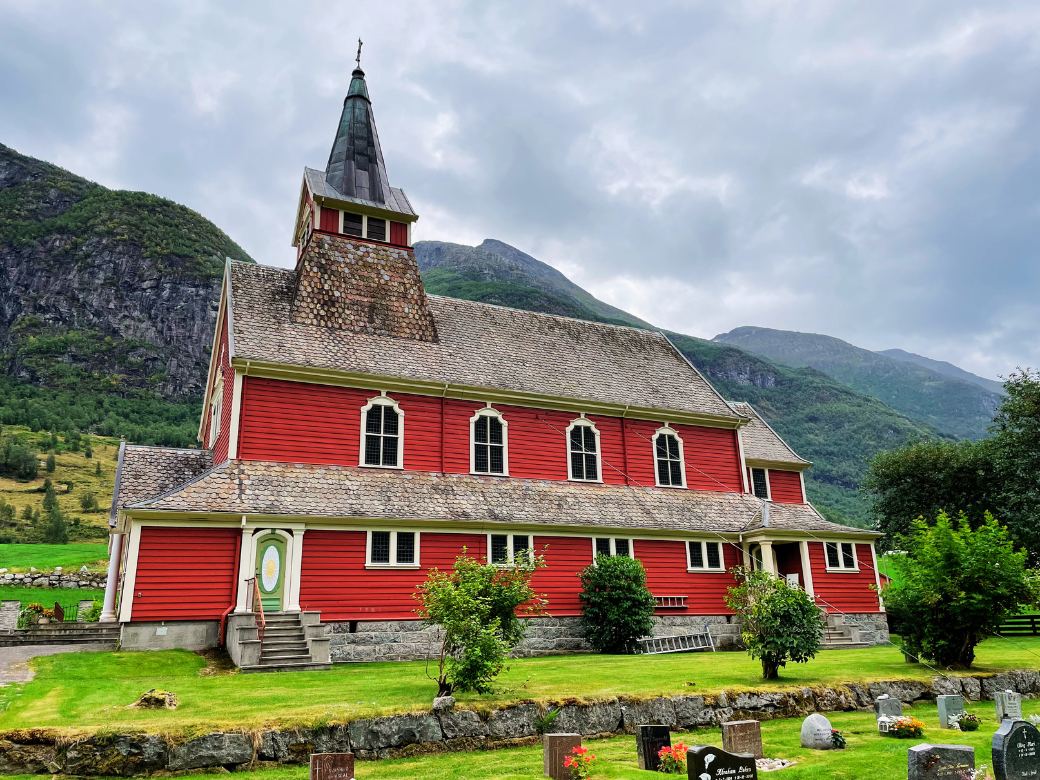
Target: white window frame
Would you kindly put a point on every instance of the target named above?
(510, 547)
(584, 421)
(841, 568)
(216, 411)
(489, 411)
(704, 556)
(667, 430)
(381, 400)
(751, 482)
(613, 546)
(393, 564)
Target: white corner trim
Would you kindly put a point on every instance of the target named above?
(381, 400)
(667, 430)
(583, 421)
(245, 570)
(743, 462)
(236, 416)
(801, 479)
(295, 581)
(807, 580)
(126, 596)
(877, 577)
(488, 411)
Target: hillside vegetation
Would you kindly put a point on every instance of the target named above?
(952, 406)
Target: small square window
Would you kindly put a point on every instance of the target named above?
(759, 483)
(705, 556)
(393, 548)
(377, 229)
(602, 546)
(714, 555)
(405, 548)
(506, 549)
(696, 555)
(841, 556)
(610, 546)
(352, 224)
(380, 547)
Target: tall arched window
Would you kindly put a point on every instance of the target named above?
(382, 432)
(668, 458)
(489, 448)
(583, 451)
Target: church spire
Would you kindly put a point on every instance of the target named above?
(356, 168)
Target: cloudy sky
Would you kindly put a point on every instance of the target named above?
(867, 170)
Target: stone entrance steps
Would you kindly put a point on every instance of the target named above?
(841, 637)
(64, 634)
(290, 644)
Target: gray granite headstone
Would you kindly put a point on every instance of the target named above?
(816, 733)
(332, 766)
(556, 747)
(1016, 751)
(712, 763)
(931, 762)
(1009, 705)
(952, 704)
(743, 736)
(649, 741)
(888, 705)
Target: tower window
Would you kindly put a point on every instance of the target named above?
(352, 224)
(377, 229)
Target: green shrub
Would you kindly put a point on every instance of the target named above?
(478, 607)
(18, 460)
(779, 622)
(617, 607)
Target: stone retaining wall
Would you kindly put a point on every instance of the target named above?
(39, 751)
(55, 579)
(869, 627)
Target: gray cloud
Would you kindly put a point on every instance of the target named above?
(866, 170)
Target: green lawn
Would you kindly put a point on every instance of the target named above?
(47, 596)
(20, 557)
(868, 755)
(85, 691)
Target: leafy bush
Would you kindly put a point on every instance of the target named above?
(478, 608)
(617, 607)
(779, 622)
(18, 459)
(955, 586)
(92, 615)
(968, 721)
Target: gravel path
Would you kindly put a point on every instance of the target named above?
(14, 661)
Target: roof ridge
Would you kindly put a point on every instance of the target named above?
(163, 448)
(177, 488)
(772, 430)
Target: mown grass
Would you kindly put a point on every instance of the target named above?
(72, 556)
(47, 596)
(868, 755)
(90, 691)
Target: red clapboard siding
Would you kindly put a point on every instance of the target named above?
(398, 234)
(185, 573)
(565, 557)
(785, 487)
(335, 582)
(666, 575)
(220, 446)
(711, 455)
(329, 219)
(844, 591)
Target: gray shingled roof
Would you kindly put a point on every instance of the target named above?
(761, 442)
(479, 345)
(146, 472)
(302, 490)
(396, 200)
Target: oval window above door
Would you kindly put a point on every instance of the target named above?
(270, 569)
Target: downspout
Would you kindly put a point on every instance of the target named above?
(222, 631)
(624, 444)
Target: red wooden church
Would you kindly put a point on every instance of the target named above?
(359, 432)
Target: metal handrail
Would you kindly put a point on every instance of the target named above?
(258, 609)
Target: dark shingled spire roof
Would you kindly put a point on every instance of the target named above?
(356, 168)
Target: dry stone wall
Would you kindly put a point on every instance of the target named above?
(39, 751)
(59, 578)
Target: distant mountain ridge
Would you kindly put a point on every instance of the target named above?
(947, 369)
(951, 405)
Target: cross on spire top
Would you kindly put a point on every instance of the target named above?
(360, 43)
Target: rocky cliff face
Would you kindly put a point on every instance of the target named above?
(103, 289)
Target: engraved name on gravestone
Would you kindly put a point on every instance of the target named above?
(1009, 705)
(649, 741)
(1016, 751)
(932, 762)
(712, 763)
(816, 733)
(949, 705)
(887, 705)
(332, 766)
(556, 748)
(743, 736)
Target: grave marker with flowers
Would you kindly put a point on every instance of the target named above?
(579, 763)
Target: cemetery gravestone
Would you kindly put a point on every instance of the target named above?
(557, 747)
(649, 741)
(712, 763)
(1016, 751)
(933, 762)
(332, 766)
(886, 705)
(816, 733)
(743, 736)
(1009, 705)
(949, 705)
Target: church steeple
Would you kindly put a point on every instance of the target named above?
(356, 168)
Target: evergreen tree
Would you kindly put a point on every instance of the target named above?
(97, 469)
(7, 514)
(51, 463)
(88, 451)
(50, 498)
(57, 530)
(27, 515)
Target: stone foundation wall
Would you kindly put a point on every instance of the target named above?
(9, 611)
(410, 640)
(55, 579)
(186, 635)
(871, 627)
(39, 751)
